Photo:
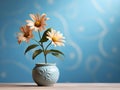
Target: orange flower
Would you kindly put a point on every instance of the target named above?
(25, 34)
(38, 22)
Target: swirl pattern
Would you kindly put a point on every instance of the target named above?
(92, 31)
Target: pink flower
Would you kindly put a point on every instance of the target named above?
(25, 34)
(38, 22)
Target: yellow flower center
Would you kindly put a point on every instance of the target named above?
(37, 23)
(54, 39)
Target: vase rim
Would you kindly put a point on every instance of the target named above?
(45, 64)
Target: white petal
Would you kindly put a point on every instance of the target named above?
(29, 21)
(43, 14)
(33, 17)
(36, 29)
(30, 24)
(47, 18)
(32, 27)
(54, 44)
(37, 16)
(21, 37)
(48, 38)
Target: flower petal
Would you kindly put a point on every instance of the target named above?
(56, 37)
(33, 17)
(38, 21)
(29, 21)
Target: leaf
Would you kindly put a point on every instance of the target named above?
(30, 47)
(36, 53)
(44, 39)
(56, 53)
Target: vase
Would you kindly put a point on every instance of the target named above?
(45, 74)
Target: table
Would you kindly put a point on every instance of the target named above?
(61, 86)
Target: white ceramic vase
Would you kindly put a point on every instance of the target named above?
(45, 74)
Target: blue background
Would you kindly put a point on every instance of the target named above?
(92, 31)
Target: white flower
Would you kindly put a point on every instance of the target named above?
(38, 22)
(56, 37)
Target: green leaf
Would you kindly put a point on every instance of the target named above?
(30, 47)
(44, 39)
(36, 53)
(56, 53)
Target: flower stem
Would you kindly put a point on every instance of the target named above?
(37, 42)
(45, 58)
(39, 34)
(45, 52)
(48, 45)
(41, 44)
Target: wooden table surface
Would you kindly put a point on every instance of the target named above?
(61, 86)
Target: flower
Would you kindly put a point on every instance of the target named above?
(38, 22)
(25, 34)
(56, 37)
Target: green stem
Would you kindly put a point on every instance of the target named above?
(41, 44)
(37, 42)
(48, 45)
(45, 58)
(45, 51)
(39, 34)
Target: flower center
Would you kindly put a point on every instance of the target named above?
(37, 23)
(26, 34)
(54, 39)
